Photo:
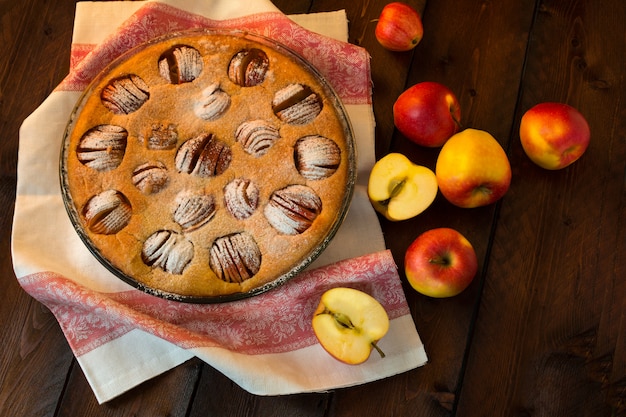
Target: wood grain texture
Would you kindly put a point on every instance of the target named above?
(231, 400)
(35, 360)
(541, 330)
(550, 330)
(170, 394)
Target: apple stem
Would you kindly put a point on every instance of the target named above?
(379, 350)
(442, 260)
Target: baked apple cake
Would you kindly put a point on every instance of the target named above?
(207, 166)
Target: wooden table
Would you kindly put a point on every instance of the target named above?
(542, 329)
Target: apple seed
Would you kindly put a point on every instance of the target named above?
(343, 320)
(396, 188)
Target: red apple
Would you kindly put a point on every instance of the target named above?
(440, 263)
(554, 135)
(472, 169)
(427, 113)
(399, 27)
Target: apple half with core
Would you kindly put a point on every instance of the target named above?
(554, 135)
(399, 27)
(427, 113)
(348, 323)
(399, 189)
(440, 263)
(472, 169)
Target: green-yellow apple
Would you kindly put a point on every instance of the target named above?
(348, 323)
(440, 263)
(400, 189)
(399, 27)
(427, 113)
(554, 135)
(472, 169)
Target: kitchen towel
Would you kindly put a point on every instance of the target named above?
(122, 336)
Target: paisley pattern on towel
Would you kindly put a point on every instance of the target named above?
(273, 322)
(342, 64)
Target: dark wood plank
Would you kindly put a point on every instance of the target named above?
(169, 394)
(35, 360)
(549, 337)
(469, 62)
(218, 395)
(293, 7)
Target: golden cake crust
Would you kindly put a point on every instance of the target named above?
(182, 170)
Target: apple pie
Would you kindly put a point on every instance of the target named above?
(208, 165)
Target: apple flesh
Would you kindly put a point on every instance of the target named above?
(472, 169)
(348, 323)
(427, 113)
(440, 263)
(399, 189)
(554, 135)
(399, 27)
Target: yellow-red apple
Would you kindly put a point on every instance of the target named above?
(348, 323)
(554, 135)
(400, 189)
(399, 27)
(440, 263)
(472, 169)
(427, 113)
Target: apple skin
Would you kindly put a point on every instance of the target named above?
(554, 135)
(440, 263)
(399, 189)
(348, 323)
(399, 27)
(472, 169)
(427, 113)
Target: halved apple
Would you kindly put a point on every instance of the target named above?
(400, 189)
(348, 323)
